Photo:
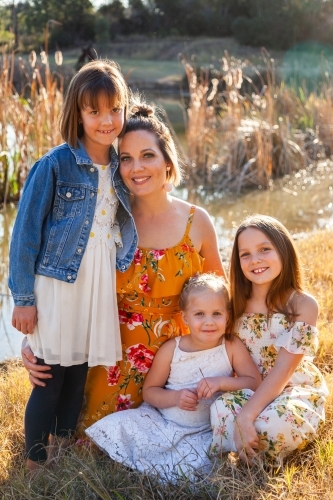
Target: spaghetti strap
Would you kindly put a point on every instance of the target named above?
(189, 221)
(291, 296)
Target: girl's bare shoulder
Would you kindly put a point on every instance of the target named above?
(306, 308)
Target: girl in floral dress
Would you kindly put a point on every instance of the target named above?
(276, 320)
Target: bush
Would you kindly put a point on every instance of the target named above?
(267, 31)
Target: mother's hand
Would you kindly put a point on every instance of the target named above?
(246, 439)
(36, 372)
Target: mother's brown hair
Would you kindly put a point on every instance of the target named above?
(290, 277)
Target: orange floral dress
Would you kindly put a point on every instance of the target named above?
(148, 305)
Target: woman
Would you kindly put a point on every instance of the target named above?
(176, 241)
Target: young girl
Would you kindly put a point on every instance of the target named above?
(170, 433)
(65, 248)
(276, 320)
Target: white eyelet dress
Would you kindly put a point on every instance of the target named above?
(78, 322)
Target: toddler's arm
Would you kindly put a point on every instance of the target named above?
(154, 392)
(24, 319)
(248, 376)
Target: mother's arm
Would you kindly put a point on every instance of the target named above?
(204, 236)
(245, 435)
(37, 373)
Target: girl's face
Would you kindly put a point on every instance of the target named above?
(101, 125)
(142, 164)
(206, 315)
(259, 260)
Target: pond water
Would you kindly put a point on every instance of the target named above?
(304, 203)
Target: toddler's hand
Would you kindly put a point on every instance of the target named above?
(208, 386)
(24, 319)
(187, 399)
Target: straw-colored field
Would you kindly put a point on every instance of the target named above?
(85, 474)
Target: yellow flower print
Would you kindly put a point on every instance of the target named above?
(172, 329)
(271, 350)
(111, 190)
(103, 167)
(92, 234)
(263, 442)
(105, 407)
(103, 212)
(98, 190)
(280, 438)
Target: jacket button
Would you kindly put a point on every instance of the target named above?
(79, 250)
(123, 267)
(92, 169)
(92, 195)
(87, 222)
(68, 195)
(69, 277)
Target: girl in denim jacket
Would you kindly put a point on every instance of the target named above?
(73, 229)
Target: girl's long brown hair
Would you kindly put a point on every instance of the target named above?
(289, 279)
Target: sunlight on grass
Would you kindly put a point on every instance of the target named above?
(83, 473)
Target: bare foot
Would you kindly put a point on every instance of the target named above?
(33, 467)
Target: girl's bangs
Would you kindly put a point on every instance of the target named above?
(103, 90)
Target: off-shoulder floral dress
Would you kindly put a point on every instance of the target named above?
(291, 421)
(148, 305)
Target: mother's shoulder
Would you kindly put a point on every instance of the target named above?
(185, 207)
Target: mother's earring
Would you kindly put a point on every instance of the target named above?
(168, 186)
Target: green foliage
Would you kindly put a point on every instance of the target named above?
(76, 18)
(278, 24)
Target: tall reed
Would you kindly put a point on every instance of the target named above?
(28, 117)
(243, 129)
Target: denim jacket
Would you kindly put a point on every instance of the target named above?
(54, 219)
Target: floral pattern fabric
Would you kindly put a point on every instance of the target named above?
(148, 296)
(292, 419)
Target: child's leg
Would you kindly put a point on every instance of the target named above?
(68, 409)
(70, 401)
(40, 412)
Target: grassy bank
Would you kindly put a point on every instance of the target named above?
(85, 474)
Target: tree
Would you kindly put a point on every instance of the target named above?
(76, 18)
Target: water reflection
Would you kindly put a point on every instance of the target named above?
(10, 339)
(304, 203)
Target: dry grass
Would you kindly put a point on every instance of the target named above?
(28, 120)
(85, 474)
(243, 129)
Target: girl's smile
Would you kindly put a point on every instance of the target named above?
(259, 260)
(101, 127)
(206, 316)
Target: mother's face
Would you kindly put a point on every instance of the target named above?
(142, 164)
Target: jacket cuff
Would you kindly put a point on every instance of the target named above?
(24, 301)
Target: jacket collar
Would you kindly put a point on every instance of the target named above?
(82, 157)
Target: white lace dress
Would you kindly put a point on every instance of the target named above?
(169, 442)
(78, 322)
